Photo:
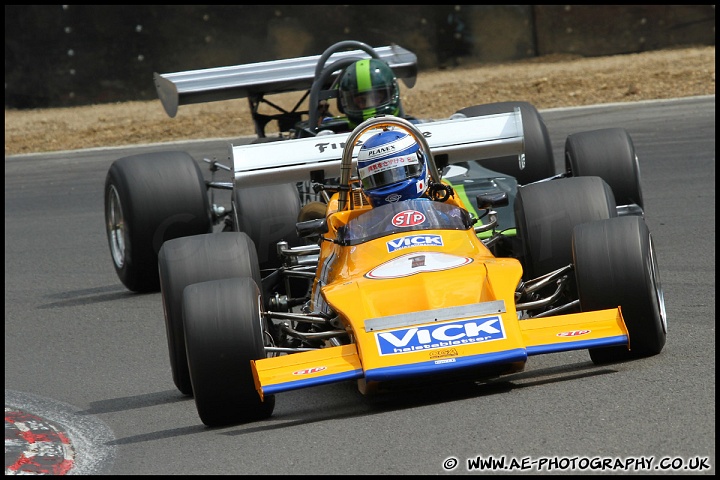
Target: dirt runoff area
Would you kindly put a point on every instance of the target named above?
(546, 82)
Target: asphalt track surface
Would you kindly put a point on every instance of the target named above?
(88, 387)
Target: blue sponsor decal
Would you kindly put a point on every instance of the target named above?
(441, 335)
(415, 241)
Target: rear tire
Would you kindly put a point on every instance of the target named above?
(615, 264)
(224, 332)
(189, 260)
(267, 215)
(610, 155)
(545, 214)
(539, 158)
(149, 199)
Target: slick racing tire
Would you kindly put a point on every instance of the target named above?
(188, 260)
(615, 265)
(609, 154)
(545, 214)
(268, 215)
(149, 199)
(224, 333)
(539, 159)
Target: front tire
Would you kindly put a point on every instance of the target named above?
(189, 260)
(615, 264)
(149, 199)
(224, 332)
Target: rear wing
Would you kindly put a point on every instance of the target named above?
(298, 160)
(264, 78)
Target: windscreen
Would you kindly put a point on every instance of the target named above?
(405, 216)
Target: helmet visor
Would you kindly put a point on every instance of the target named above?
(388, 171)
(373, 98)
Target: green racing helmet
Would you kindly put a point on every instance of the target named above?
(368, 88)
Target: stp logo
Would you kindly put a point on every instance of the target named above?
(408, 218)
(573, 333)
(309, 371)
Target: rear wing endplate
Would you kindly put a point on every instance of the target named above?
(262, 78)
(460, 140)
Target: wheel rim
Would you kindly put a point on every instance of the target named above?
(116, 227)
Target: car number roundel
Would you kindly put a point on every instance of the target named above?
(408, 218)
(414, 263)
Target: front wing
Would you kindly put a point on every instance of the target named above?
(397, 348)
